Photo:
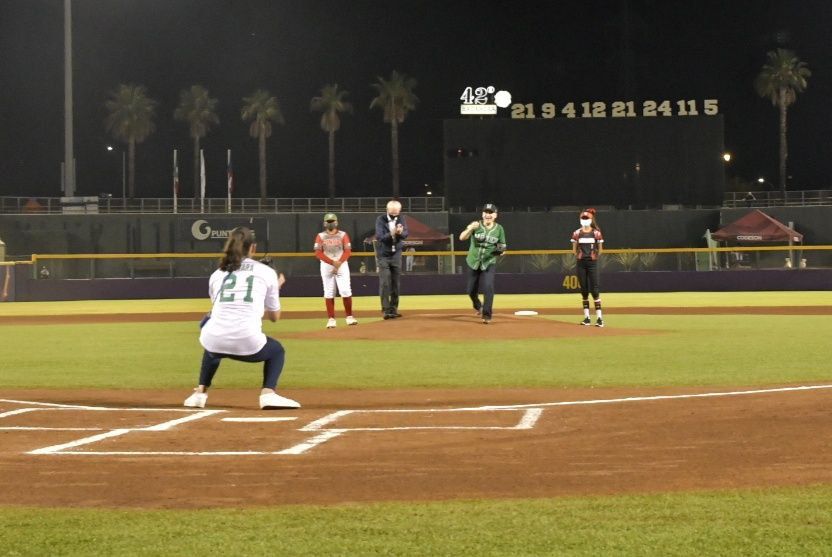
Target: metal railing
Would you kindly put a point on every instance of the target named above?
(189, 205)
(428, 204)
(753, 199)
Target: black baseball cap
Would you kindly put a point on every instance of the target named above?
(489, 208)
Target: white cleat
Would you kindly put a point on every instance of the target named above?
(331, 324)
(271, 401)
(196, 400)
(352, 320)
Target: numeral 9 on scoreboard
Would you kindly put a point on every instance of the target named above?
(618, 109)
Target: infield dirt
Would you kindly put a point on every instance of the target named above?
(756, 440)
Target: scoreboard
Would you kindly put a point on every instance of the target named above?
(592, 153)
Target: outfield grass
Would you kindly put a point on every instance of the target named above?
(775, 522)
(684, 350)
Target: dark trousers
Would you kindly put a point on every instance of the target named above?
(482, 279)
(588, 276)
(272, 355)
(389, 280)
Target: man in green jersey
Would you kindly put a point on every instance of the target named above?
(488, 243)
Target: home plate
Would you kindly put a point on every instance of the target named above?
(525, 312)
(275, 419)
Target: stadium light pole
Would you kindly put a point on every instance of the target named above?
(69, 152)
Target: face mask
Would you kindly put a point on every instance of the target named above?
(331, 226)
(586, 222)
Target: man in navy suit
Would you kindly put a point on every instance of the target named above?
(391, 231)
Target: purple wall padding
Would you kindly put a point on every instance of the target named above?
(28, 289)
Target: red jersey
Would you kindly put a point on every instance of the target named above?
(330, 247)
(588, 243)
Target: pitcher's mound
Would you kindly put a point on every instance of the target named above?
(445, 326)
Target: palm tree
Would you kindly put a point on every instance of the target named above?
(199, 110)
(782, 77)
(396, 99)
(331, 103)
(130, 120)
(262, 109)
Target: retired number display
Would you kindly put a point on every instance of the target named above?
(616, 109)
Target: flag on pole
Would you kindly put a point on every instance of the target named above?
(175, 180)
(230, 180)
(230, 175)
(201, 181)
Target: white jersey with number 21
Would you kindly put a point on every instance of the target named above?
(239, 301)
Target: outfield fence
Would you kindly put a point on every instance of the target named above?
(177, 265)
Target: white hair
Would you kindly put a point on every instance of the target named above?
(393, 203)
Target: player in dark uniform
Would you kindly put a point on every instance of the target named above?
(587, 244)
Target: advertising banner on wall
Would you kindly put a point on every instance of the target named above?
(217, 229)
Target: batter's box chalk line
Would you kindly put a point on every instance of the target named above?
(325, 428)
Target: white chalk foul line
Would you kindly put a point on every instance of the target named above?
(169, 424)
(649, 398)
(50, 404)
(300, 448)
(57, 406)
(322, 437)
(161, 453)
(18, 411)
(33, 428)
(164, 426)
(328, 419)
(78, 442)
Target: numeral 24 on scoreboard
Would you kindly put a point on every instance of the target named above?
(617, 109)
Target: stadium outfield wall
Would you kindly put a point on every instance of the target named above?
(26, 288)
(294, 233)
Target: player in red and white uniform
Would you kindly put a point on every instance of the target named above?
(333, 248)
(587, 244)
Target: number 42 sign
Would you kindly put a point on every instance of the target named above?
(483, 100)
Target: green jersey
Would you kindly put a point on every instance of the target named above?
(486, 245)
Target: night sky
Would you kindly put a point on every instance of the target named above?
(539, 51)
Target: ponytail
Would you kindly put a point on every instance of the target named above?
(236, 248)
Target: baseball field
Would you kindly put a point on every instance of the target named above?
(693, 423)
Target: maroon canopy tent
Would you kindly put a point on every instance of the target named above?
(420, 234)
(757, 226)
